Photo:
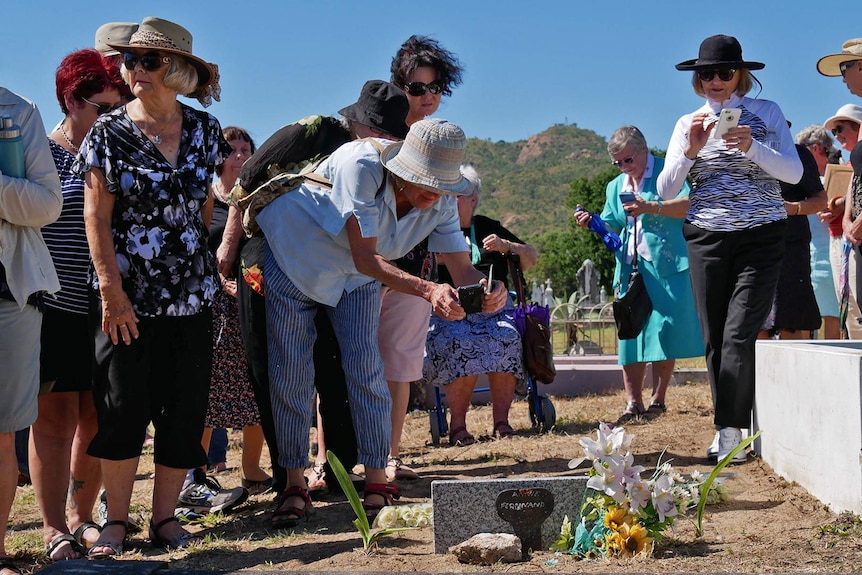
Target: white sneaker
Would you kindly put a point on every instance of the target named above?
(712, 450)
(728, 439)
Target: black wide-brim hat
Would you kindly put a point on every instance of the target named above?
(720, 52)
(382, 106)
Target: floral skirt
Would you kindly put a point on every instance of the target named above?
(480, 343)
(231, 402)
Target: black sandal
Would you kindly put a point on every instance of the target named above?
(179, 541)
(634, 411)
(115, 547)
(59, 541)
(291, 516)
(654, 410)
(78, 533)
(387, 491)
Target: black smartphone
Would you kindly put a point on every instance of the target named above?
(627, 197)
(470, 297)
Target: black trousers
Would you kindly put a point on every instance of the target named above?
(329, 376)
(733, 277)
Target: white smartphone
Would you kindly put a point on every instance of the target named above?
(728, 118)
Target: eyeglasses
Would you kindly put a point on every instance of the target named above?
(151, 61)
(419, 88)
(838, 129)
(844, 66)
(101, 108)
(619, 163)
(723, 75)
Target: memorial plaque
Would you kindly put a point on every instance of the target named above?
(526, 510)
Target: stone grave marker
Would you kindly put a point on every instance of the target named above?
(466, 508)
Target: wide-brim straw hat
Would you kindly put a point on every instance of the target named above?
(430, 156)
(720, 52)
(165, 36)
(846, 113)
(113, 33)
(850, 50)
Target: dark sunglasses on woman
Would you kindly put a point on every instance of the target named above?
(150, 61)
(723, 75)
(100, 108)
(837, 129)
(844, 66)
(419, 88)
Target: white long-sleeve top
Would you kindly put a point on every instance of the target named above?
(731, 189)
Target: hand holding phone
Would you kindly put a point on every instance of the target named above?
(728, 118)
(627, 197)
(470, 298)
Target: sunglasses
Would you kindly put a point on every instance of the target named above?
(844, 66)
(151, 61)
(838, 129)
(101, 108)
(723, 75)
(419, 88)
(619, 163)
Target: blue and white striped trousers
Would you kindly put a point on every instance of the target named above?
(291, 335)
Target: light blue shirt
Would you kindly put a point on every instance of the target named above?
(306, 228)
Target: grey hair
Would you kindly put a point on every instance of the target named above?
(624, 136)
(181, 76)
(814, 134)
(472, 176)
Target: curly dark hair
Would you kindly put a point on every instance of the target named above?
(419, 51)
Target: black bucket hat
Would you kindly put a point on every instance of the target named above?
(382, 106)
(719, 52)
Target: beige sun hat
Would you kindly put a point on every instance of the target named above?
(430, 156)
(847, 113)
(167, 36)
(850, 50)
(113, 32)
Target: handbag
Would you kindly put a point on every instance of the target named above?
(632, 311)
(533, 323)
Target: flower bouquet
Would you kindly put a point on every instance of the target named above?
(624, 515)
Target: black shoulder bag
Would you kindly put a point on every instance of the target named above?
(632, 310)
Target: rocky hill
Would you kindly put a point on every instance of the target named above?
(525, 184)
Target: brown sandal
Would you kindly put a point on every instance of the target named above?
(390, 493)
(461, 437)
(634, 410)
(291, 516)
(502, 429)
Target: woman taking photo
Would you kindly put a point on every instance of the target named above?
(671, 331)
(735, 224)
(147, 168)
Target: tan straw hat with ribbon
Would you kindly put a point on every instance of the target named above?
(165, 36)
(113, 33)
(430, 157)
(830, 65)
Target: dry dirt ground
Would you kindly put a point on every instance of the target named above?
(769, 525)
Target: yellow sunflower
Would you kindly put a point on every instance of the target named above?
(629, 541)
(616, 516)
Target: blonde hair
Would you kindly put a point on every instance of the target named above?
(746, 83)
(181, 76)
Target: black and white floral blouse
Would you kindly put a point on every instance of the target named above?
(158, 230)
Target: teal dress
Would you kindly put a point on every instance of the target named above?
(673, 329)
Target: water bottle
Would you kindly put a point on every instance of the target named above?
(11, 149)
(611, 240)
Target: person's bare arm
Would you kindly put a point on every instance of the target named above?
(228, 249)
(118, 318)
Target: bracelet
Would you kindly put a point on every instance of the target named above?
(798, 208)
(658, 211)
(509, 251)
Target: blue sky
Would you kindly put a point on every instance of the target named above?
(529, 65)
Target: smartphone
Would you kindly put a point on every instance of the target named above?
(627, 197)
(490, 276)
(470, 298)
(728, 118)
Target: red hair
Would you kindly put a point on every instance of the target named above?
(85, 73)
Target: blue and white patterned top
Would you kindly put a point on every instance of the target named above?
(158, 230)
(733, 190)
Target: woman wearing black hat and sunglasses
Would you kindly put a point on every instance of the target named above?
(736, 223)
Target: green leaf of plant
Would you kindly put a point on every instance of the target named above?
(704, 488)
(347, 487)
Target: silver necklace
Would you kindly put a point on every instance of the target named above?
(66, 137)
(157, 139)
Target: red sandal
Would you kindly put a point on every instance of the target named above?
(390, 493)
(291, 516)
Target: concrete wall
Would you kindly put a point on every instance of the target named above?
(808, 403)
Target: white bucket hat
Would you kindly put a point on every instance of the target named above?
(847, 113)
(430, 156)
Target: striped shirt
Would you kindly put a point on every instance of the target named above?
(67, 240)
